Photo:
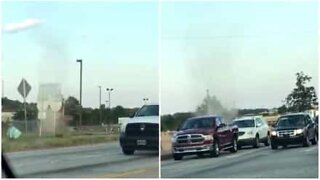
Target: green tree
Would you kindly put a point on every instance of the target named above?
(72, 108)
(302, 97)
(282, 109)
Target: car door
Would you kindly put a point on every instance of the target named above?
(310, 127)
(221, 131)
(263, 129)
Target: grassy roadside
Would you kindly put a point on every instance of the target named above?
(35, 142)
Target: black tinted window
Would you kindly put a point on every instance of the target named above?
(198, 123)
(149, 110)
(287, 121)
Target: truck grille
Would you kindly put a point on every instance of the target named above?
(193, 138)
(286, 132)
(142, 130)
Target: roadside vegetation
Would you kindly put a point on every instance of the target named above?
(33, 142)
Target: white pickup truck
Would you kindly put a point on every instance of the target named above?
(141, 131)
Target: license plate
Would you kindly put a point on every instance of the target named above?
(141, 142)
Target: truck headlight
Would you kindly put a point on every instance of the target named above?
(299, 131)
(274, 133)
(208, 137)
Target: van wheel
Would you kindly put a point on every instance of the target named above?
(215, 152)
(306, 142)
(127, 151)
(274, 146)
(256, 142)
(234, 145)
(177, 157)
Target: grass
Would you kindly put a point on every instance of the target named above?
(35, 142)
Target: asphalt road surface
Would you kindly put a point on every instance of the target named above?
(94, 161)
(290, 162)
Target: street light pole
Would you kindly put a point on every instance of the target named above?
(80, 61)
(145, 100)
(109, 92)
(100, 104)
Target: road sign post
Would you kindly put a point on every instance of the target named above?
(24, 89)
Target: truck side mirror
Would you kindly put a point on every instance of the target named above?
(132, 115)
(222, 125)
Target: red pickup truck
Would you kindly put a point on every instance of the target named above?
(205, 134)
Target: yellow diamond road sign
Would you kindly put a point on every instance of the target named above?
(24, 88)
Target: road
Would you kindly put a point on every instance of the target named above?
(291, 162)
(94, 161)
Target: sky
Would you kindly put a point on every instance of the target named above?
(116, 41)
(245, 53)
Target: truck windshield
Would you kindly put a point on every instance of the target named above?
(148, 110)
(291, 121)
(244, 123)
(198, 123)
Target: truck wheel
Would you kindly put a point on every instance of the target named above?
(215, 152)
(314, 141)
(256, 142)
(127, 151)
(234, 146)
(200, 155)
(274, 145)
(177, 157)
(306, 142)
(267, 142)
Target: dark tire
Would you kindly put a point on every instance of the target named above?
(177, 157)
(200, 155)
(267, 142)
(256, 142)
(128, 151)
(239, 147)
(274, 146)
(234, 147)
(215, 152)
(314, 141)
(306, 142)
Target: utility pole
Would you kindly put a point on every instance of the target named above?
(145, 100)
(80, 61)
(109, 92)
(100, 104)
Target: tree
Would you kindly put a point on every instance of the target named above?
(302, 97)
(72, 108)
(282, 109)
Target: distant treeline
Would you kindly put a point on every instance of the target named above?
(90, 116)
